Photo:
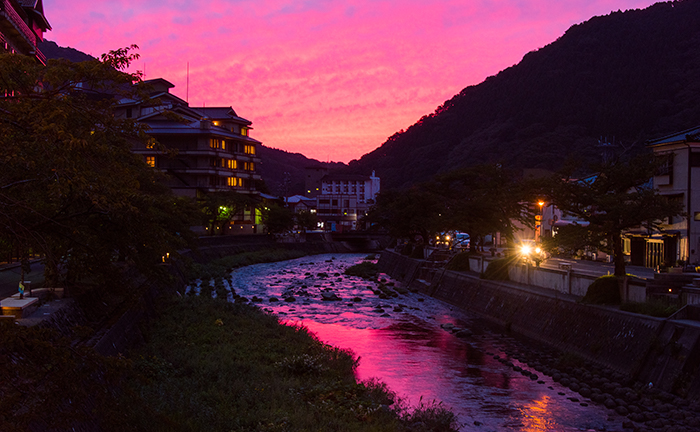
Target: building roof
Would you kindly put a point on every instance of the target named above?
(343, 177)
(682, 136)
(299, 198)
(223, 113)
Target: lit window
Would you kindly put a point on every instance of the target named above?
(232, 164)
(151, 161)
(235, 182)
(151, 143)
(215, 143)
(216, 123)
(244, 131)
(249, 149)
(249, 166)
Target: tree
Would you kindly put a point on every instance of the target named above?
(407, 214)
(70, 187)
(220, 208)
(618, 198)
(306, 220)
(483, 200)
(278, 219)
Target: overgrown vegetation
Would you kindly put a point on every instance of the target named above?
(459, 262)
(498, 269)
(604, 291)
(207, 365)
(365, 270)
(655, 309)
(223, 266)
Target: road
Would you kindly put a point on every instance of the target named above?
(595, 268)
(10, 276)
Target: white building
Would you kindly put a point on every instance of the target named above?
(345, 199)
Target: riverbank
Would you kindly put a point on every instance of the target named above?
(641, 367)
(203, 364)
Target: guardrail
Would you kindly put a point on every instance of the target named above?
(18, 22)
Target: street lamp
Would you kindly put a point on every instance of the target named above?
(538, 221)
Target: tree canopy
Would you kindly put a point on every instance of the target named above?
(70, 187)
(619, 197)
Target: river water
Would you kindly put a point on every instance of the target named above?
(400, 341)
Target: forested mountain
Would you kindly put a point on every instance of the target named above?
(51, 50)
(631, 75)
(283, 171)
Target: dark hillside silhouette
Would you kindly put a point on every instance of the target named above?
(630, 75)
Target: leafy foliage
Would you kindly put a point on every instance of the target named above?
(366, 270)
(459, 262)
(70, 188)
(220, 208)
(618, 198)
(278, 219)
(605, 290)
(498, 269)
(306, 220)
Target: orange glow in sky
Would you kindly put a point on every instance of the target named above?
(328, 79)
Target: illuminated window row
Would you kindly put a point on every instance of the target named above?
(222, 144)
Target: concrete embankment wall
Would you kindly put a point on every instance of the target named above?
(661, 351)
(561, 280)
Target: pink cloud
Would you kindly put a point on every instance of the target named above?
(329, 79)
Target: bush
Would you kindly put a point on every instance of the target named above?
(418, 252)
(365, 269)
(655, 309)
(498, 270)
(459, 262)
(604, 291)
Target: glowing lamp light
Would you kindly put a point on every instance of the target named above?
(541, 203)
(538, 250)
(526, 249)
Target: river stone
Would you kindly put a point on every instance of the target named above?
(622, 410)
(627, 424)
(565, 382)
(273, 299)
(638, 417)
(575, 387)
(356, 299)
(447, 326)
(609, 403)
(464, 333)
(385, 315)
(556, 377)
(585, 392)
(290, 299)
(329, 296)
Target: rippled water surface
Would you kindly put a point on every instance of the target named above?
(400, 341)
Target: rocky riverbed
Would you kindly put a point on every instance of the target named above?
(424, 349)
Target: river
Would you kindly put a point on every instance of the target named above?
(401, 341)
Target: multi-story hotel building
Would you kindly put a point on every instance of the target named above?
(22, 27)
(213, 149)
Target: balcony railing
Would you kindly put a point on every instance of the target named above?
(11, 14)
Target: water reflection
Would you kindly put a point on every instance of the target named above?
(400, 341)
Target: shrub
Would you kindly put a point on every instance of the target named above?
(459, 262)
(655, 309)
(604, 291)
(418, 252)
(365, 269)
(498, 270)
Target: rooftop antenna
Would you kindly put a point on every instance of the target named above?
(187, 95)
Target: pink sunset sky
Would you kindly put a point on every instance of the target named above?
(330, 79)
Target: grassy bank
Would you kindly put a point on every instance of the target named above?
(223, 266)
(206, 365)
(213, 365)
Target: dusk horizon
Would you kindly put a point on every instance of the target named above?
(331, 81)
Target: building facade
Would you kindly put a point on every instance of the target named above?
(22, 27)
(345, 199)
(203, 150)
(679, 180)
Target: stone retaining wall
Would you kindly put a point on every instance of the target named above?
(661, 351)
